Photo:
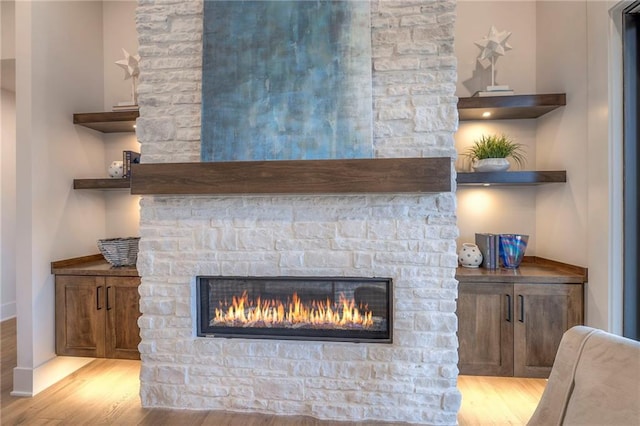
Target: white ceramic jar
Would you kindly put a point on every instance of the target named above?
(116, 169)
(470, 255)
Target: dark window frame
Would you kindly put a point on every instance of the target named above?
(631, 149)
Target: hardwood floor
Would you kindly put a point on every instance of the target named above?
(105, 392)
(498, 400)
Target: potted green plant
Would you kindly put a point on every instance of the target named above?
(490, 153)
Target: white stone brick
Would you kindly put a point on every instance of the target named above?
(396, 64)
(186, 48)
(185, 24)
(346, 370)
(345, 352)
(145, 25)
(194, 7)
(417, 48)
(156, 306)
(155, 129)
(337, 411)
(314, 230)
(449, 371)
(174, 63)
(240, 404)
(418, 20)
(156, 34)
(284, 389)
(186, 98)
(390, 36)
(318, 259)
(291, 260)
(363, 261)
(170, 374)
(309, 351)
(304, 369)
(452, 400)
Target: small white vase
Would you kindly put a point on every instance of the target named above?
(469, 255)
(116, 169)
(491, 165)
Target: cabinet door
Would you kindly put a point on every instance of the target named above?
(80, 318)
(485, 329)
(543, 313)
(122, 331)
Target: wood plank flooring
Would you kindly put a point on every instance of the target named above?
(105, 392)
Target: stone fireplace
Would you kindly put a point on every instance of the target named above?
(407, 238)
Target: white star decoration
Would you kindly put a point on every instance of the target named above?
(131, 71)
(129, 64)
(495, 44)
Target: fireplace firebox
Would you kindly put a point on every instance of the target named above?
(296, 308)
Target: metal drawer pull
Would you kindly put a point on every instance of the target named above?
(98, 304)
(521, 298)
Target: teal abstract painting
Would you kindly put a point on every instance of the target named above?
(286, 80)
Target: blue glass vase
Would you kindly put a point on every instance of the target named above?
(512, 248)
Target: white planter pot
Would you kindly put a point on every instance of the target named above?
(491, 165)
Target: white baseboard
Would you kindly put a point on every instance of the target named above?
(7, 311)
(28, 382)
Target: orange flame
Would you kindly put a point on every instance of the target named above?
(270, 313)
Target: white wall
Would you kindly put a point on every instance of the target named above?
(604, 294)
(119, 28)
(562, 135)
(66, 39)
(59, 72)
(7, 162)
(573, 220)
(7, 205)
(7, 22)
(496, 209)
(548, 56)
(517, 67)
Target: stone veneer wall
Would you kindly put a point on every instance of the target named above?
(409, 237)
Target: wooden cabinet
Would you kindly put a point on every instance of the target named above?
(96, 316)
(485, 329)
(543, 312)
(514, 329)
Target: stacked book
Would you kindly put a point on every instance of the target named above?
(488, 245)
(129, 158)
(485, 94)
(125, 106)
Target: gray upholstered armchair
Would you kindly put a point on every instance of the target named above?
(595, 380)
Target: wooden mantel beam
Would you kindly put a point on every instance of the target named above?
(381, 175)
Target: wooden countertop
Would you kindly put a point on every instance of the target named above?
(94, 264)
(532, 270)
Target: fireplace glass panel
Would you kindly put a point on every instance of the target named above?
(303, 308)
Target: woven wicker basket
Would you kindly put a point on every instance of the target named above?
(120, 251)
